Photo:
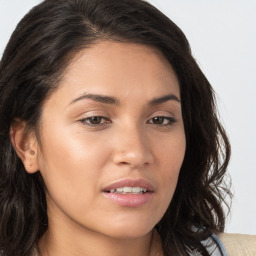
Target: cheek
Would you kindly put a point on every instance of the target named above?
(171, 152)
(67, 149)
(71, 164)
(170, 157)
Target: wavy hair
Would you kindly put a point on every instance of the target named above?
(39, 50)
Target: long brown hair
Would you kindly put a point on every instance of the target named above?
(40, 49)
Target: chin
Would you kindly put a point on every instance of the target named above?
(130, 229)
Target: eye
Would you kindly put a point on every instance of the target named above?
(162, 120)
(94, 120)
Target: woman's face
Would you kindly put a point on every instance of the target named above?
(112, 141)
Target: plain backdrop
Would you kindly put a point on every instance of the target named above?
(222, 34)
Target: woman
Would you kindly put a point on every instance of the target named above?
(109, 136)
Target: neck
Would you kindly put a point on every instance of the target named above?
(53, 244)
(65, 239)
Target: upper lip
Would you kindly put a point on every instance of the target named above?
(130, 183)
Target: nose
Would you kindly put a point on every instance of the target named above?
(132, 148)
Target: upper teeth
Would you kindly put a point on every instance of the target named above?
(129, 190)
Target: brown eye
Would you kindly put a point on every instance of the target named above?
(162, 120)
(94, 120)
(158, 120)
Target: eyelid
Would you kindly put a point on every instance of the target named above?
(171, 120)
(86, 120)
(91, 112)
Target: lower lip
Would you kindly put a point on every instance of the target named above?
(129, 200)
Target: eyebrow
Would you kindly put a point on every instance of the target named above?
(98, 98)
(163, 99)
(115, 101)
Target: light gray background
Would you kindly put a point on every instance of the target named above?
(222, 34)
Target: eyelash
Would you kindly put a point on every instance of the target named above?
(166, 121)
(87, 120)
(170, 120)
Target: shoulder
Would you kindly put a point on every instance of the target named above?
(239, 244)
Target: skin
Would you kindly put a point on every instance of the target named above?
(78, 160)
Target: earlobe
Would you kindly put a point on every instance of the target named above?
(25, 145)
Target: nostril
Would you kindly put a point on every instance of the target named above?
(132, 165)
(133, 157)
(123, 163)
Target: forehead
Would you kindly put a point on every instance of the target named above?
(119, 69)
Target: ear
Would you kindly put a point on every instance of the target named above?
(25, 144)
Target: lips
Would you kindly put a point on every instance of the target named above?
(129, 193)
(129, 183)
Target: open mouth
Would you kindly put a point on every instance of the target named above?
(128, 190)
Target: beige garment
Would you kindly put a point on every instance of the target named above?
(239, 244)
